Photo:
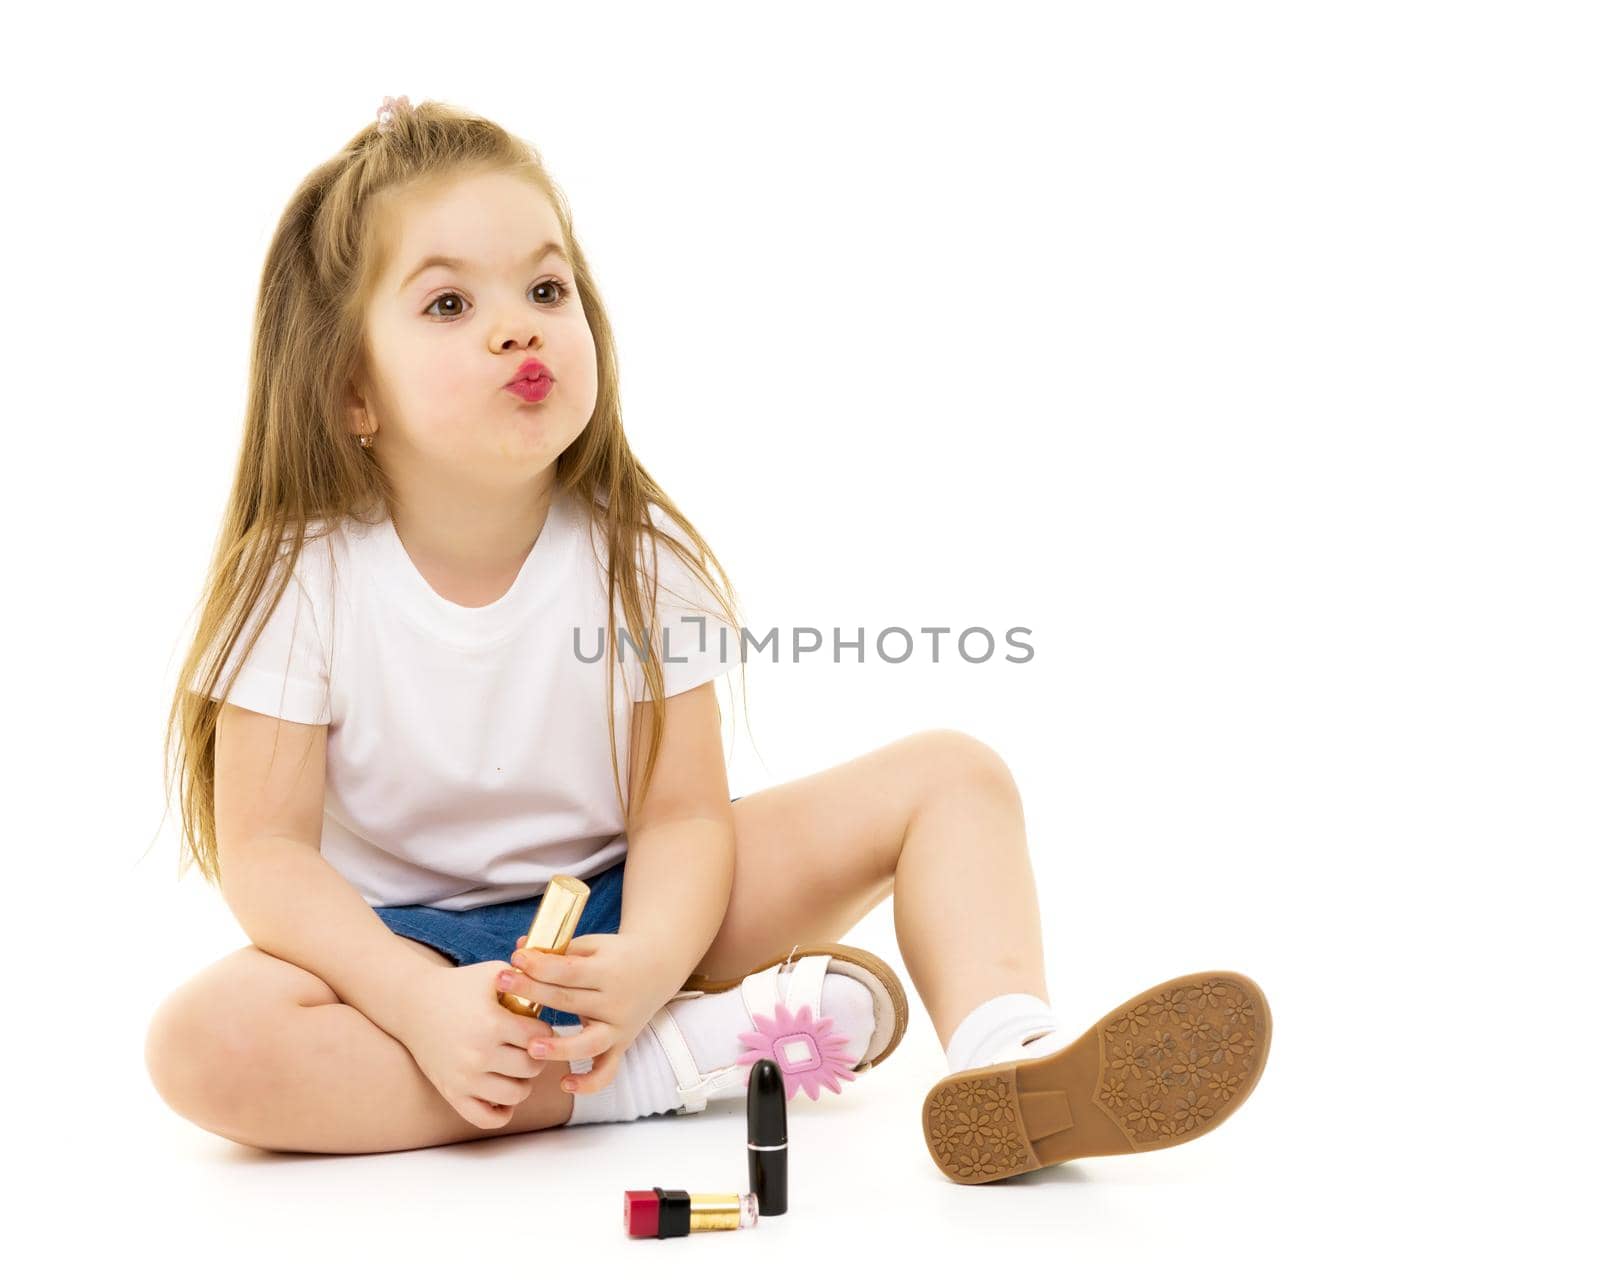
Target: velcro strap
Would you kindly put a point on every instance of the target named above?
(760, 992)
(805, 984)
(802, 985)
(690, 1086)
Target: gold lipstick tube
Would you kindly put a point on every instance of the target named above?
(552, 929)
(719, 1211)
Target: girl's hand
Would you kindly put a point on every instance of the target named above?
(603, 978)
(471, 1047)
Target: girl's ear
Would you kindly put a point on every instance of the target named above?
(357, 421)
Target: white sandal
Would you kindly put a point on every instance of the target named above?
(788, 1031)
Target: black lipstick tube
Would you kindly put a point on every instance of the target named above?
(767, 1122)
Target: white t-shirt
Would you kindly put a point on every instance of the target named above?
(468, 751)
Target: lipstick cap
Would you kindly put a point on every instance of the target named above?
(766, 1110)
(553, 927)
(557, 918)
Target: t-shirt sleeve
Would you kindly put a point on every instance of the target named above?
(286, 673)
(695, 641)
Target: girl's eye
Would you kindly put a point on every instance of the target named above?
(563, 289)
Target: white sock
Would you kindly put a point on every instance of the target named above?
(996, 1031)
(645, 1084)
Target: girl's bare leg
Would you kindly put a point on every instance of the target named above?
(935, 819)
(260, 1051)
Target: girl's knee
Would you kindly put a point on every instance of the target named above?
(208, 1058)
(949, 757)
(179, 1061)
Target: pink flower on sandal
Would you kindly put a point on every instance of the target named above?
(807, 1057)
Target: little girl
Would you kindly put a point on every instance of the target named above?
(399, 719)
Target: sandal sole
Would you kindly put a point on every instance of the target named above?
(1161, 1069)
(871, 963)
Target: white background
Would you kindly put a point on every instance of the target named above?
(1243, 352)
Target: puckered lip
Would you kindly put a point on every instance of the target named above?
(529, 370)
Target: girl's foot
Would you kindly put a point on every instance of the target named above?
(782, 1011)
(1165, 1067)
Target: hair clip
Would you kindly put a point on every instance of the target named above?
(387, 110)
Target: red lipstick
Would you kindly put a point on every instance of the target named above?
(661, 1214)
(532, 381)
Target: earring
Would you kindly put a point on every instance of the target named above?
(366, 441)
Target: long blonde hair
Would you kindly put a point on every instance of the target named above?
(298, 464)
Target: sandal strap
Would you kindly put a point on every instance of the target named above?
(691, 1085)
(760, 991)
(802, 986)
(805, 983)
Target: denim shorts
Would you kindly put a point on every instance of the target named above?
(490, 933)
